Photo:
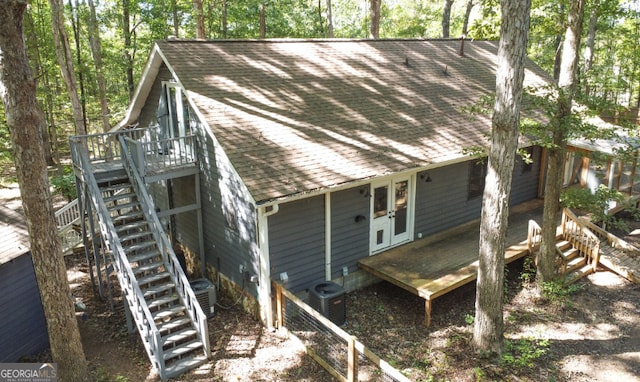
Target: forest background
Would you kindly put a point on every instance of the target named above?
(107, 43)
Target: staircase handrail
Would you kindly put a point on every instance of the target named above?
(104, 146)
(534, 236)
(193, 308)
(613, 240)
(131, 290)
(581, 237)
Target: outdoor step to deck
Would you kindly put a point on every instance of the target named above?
(182, 350)
(578, 273)
(149, 279)
(173, 325)
(147, 255)
(128, 226)
(575, 264)
(157, 289)
(119, 196)
(138, 246)
(164, 300)
(135, 235)
(179, 336)
(182, 365)
(168, 312)
(570, 254)
(147, 267)
(118, 207)
(134, 214)
(116, 187)
(562, 244)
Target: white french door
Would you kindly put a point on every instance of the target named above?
(390, 213)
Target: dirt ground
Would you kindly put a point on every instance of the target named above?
(593, 334)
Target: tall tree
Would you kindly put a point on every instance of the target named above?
(263, 21)
(63, 54)
(198, 15)
(24, 119)
(446, 18)
(127, 32)
(95, 43)
(560, 126)
(488, 329)
(329, 20)
(374, 11)
(467, 15)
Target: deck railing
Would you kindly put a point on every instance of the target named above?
(534, 236)
(580, 237)
(130, 289)
(172, 265)
(104, 147)
(341, 354)
(161, 154)
(67, 221)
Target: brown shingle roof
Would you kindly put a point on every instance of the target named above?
(297, 116)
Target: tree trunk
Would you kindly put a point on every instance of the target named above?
(75, 24)
(560, 125)
(126, 33)
(488, 330)
(446, 18)
(96, 52)
(176, 18)
(329, 19)
(558, 44)
(198, 15)
(590, 46)
(375, 18)
(63, 54)
(465, 22)
(263, 21)
(224, 19)
(24, 119)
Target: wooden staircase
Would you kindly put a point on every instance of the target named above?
(158, 297)
(577, 248)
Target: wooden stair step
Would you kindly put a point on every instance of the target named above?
(149, 279)
(163, 300)
(135, 236)
(575, 264)
(168, 312)
(147, 267)
(570, 254)
(182, 349)
(118, 207)
(126, 226)
(578, 274)
(115, 186)
(147, 255)
(129, 216)
(138, 246)
(180, 366)
(179, 336)
(119, 196)
(156, 289)
(562, 244)
(174, 324)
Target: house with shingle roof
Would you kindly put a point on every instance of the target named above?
(316, 153)
(23, 329)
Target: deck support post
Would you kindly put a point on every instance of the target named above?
(427, 312)
(352, 355)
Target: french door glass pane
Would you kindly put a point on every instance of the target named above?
(400, 225)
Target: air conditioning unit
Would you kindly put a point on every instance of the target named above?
(328, 298)
(205, 292)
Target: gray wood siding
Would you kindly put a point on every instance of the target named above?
(187, 230)
(23, 330)
(297, 242)
(148, 112)
(442, 203)
(349, 239)
(228, 215)
(524, 186)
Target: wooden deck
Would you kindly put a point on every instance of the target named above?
(434, 266)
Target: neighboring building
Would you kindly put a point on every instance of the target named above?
(314, 154)
(23, 329)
